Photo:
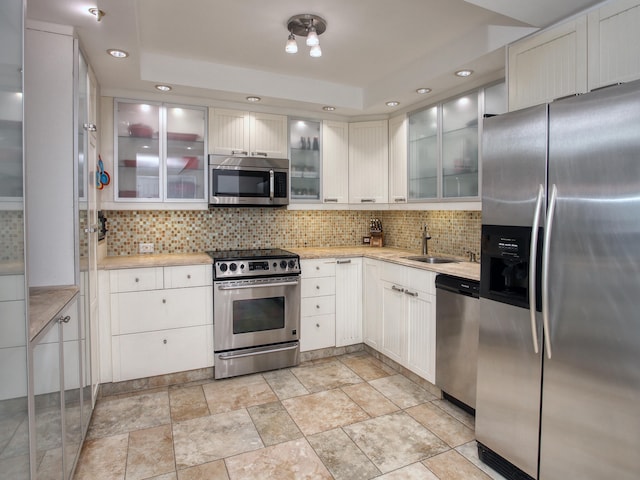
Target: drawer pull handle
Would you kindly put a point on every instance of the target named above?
(164, 341)
(64, 319)
(137, 279)
(189, 277)
(164, 300)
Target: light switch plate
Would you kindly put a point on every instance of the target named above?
(145, 248)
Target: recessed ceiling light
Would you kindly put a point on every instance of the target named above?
(163, 88)
(464, 73)
(393, 103)
(328, 108)
(97, 12)
(114, 52)
(253, 99)
(423, 90)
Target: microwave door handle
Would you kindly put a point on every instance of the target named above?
(271, 185)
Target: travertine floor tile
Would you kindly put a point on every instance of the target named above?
(15, 467)
(291, 460)
(207, 471)
(341, 456)
(187, 403)
(366, 367)
(401, 391)
(453, 466)
(150, 453)
(240, 392)
(206, 439)
(325, 376)
(395, 440)
(415, 471)
(369, 399)
(323, 411)
(442, 424)
(166, 476)
(103, 458)
(457, 413)
(274, 423)
(285, 384)
(113, 416)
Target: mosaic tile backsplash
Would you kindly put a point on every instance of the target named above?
(172, 231)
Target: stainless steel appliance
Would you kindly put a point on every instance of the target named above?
(559, 354)
(250, 181)
(457, 316)
(256, 311)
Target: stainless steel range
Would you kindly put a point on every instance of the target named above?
(256, 310)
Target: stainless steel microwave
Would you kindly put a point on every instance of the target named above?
(250, 181)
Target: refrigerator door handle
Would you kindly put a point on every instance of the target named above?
(532, 268)
(545, 269)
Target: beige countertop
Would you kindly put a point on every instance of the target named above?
(154, 260)
(45, 303)
(461, 268)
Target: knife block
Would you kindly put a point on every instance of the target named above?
(377, 239)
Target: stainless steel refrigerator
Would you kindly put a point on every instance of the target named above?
(558, 393)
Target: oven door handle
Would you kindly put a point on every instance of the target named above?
(232, 356)
(255, 285)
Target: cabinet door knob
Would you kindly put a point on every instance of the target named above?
(317, 287)
(317, 267)
(137, 279)
(164, 341)
(189, 276)
(164, 300)
(318, 306)
(64, 319)
(318, 325)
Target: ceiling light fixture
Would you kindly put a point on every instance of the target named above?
(464, 73)
(114, 52)
(328, 108)
(253, 99)
(97, 12)
(163, 88)
(392, 103)
(423, 90)
(305, 25)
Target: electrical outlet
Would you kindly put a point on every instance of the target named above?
(145, 247)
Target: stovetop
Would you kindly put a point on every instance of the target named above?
(257, 263)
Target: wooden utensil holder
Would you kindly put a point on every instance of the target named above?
(377, 239)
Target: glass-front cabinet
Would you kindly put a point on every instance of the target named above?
(160, 152)
(305, 144)
(444, 140)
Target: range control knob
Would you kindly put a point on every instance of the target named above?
(283, 264)
(223, 267)
(275, 265)
(233, 267)
(292, 263)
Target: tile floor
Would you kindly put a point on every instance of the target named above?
(349, 417)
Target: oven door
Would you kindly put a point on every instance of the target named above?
(255, 312)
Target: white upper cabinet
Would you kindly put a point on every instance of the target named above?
(335, 162)
(549, 65)
(236, 132)
(398, 159)
(369, 162)
(614, 43)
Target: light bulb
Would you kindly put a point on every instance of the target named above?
(315, 51)
(312, 37)
(291, 46)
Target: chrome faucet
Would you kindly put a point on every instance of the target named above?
(425, 238)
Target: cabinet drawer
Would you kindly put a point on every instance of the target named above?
(133, 312)
(136, 279)
(141, 355)
(320, 267)
(318, 305)
(394, 273)
(187, 276)
(316, 287)
(317, 332)
(421, 280)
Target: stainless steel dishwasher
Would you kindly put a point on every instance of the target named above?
(457, 325)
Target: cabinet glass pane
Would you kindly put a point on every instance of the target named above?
(138, 150)
(423, 154)
(72, 390)
(81, 120)
(460, 147)
(304, 147)
(185, 153)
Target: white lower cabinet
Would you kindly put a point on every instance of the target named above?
(348, 301)
(408, 318)
(318, 305)
(161, 320)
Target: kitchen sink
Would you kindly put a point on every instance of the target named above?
(428, 259)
